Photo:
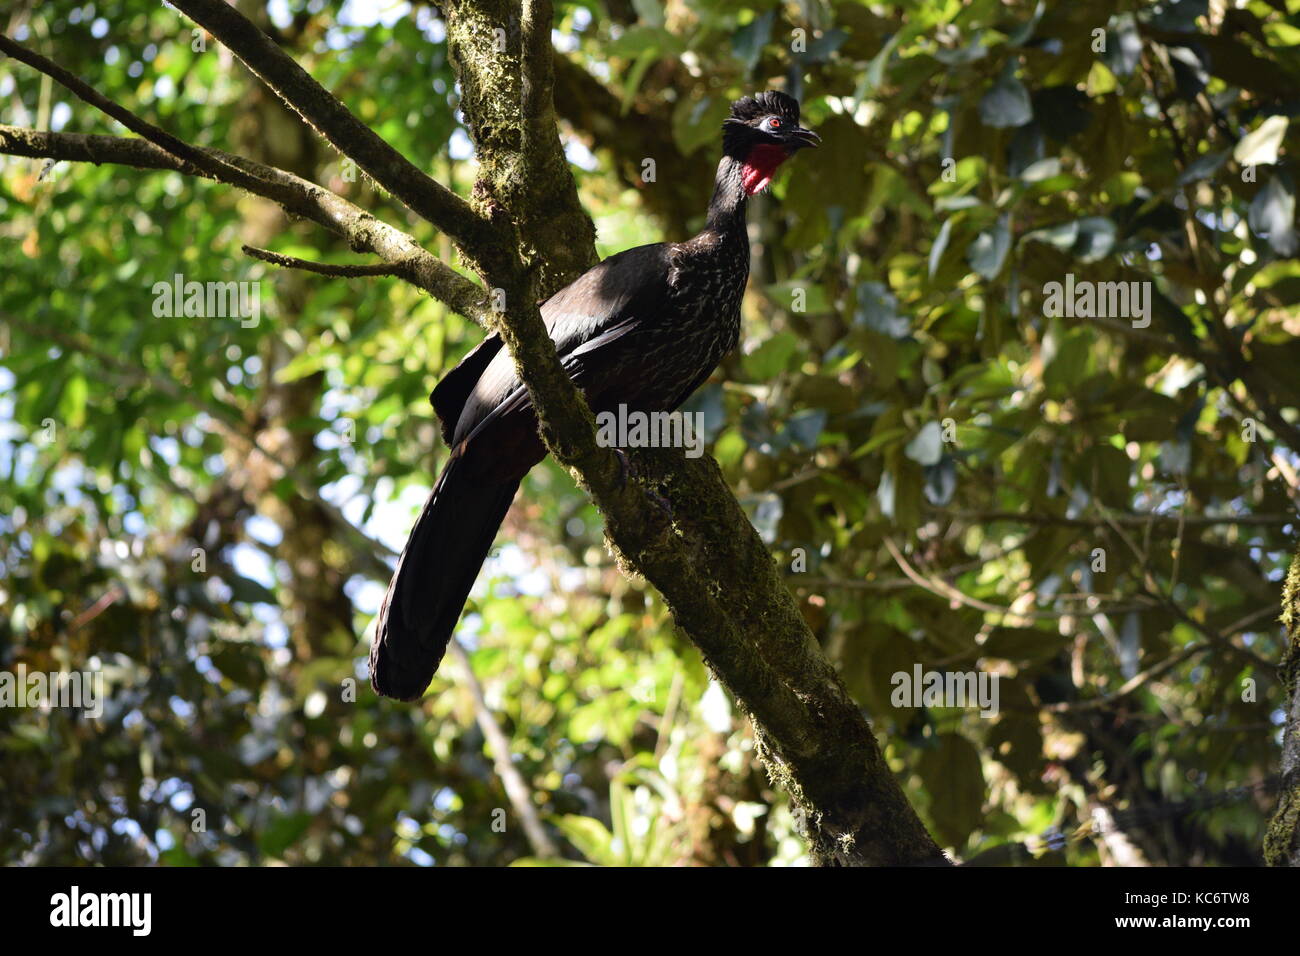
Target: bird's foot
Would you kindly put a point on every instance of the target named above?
(626, 471)
(659, 501)
(624, 468)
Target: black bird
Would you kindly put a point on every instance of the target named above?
(644, 328)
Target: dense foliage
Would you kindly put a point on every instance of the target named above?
(958, 473)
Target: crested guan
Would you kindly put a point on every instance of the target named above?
(643, 328)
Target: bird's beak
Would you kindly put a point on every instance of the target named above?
(801, 137)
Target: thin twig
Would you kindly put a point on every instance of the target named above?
(517, 790)
(105, 601)
(323, 268)
(1124, 520)
(944, 589)
(1156, 593)
(1134, 683)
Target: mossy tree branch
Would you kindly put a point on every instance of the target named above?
(335, 122)
(720, 582)
(403, 255)
(502, 53)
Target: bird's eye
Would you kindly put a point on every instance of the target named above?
(771, 124)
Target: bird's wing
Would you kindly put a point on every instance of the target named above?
(600, 306)
(449, 395)
(629, 285)
(518, 400)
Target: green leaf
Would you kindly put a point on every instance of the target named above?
(940, 244)
(1096, 238)
(282, 832)
(589, 837)
(954, 778)
(927, 447)
(772, 357)
(795, 295)
(649, 11)
(748, 42)
(941, 481)
(1006, 104)
(1065, 357)
(1062, 235)
(874, 75)
(1272, 214)
(248, 590)
(1123, 46)
(1260, 146)
(805, 427)
(1203, 167)
(989, 250)
(72, 404)
(878, 310)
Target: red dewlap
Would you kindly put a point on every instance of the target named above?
(760, 165)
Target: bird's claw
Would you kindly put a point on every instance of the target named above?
(625, 471)
(624, 468)
(659, 501)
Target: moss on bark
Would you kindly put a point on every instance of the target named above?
(1282, 841)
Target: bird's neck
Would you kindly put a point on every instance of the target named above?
(727, 208)
(736, 181)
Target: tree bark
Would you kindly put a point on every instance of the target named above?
(1282, 842)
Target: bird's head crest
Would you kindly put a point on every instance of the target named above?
(763, 131)
(747, 109)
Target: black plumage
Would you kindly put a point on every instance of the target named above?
(644, 329)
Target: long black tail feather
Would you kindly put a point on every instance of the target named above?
(442, 557)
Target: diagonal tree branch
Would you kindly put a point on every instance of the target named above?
(364, 233)
(277, 185)
(216, 167)
(517, 790)
(335, 122)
